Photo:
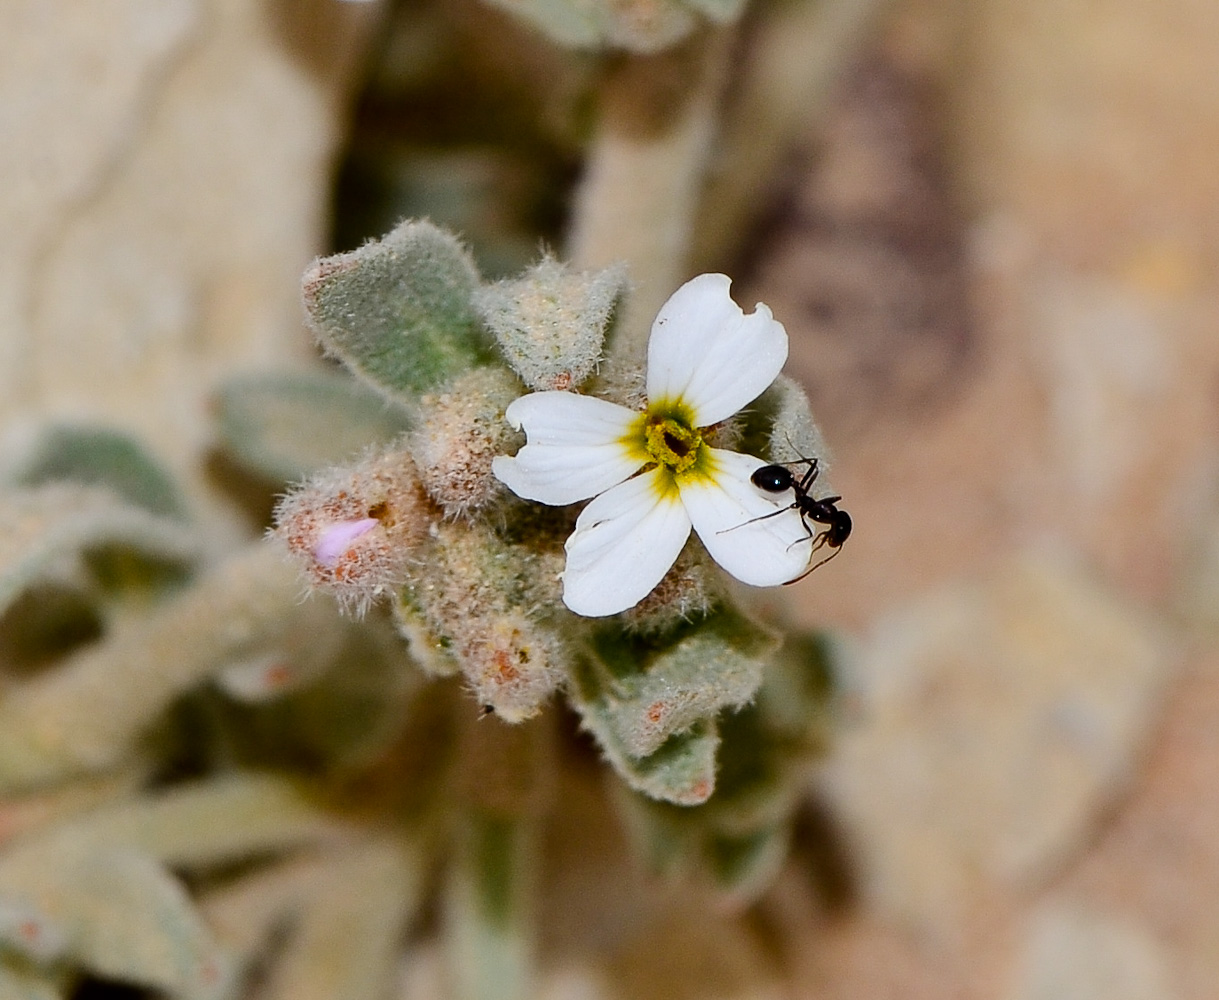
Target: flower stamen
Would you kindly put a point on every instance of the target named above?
(673, 443)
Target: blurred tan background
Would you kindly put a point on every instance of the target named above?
(996, 252)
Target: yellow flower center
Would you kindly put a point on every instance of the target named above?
(671, 438)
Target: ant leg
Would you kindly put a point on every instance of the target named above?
(812, 463)
(801, 541)
(763, 517)
(814, 470)
(815, 566)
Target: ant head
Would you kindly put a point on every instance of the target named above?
(839, 530)
(773, 478)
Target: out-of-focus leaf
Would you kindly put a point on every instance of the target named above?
(89, 713)
(287, 425)
(92, 456)
(347, 940)
(121, 916)
(488, 914)
(47, 530)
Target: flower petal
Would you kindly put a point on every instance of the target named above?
(624, 542)
(710, 355)
(576, 447)
(755, 536)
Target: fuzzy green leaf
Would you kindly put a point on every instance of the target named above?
(681, 770)
(289, 424)
(738, 836)
(550, 322)
(123, 917)
(654, 687)
(94, 456)
(399, 312)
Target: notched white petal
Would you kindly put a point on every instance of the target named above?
(568, 418)
(754, 535)
(706, 352)
(624, 542)
(575, 447)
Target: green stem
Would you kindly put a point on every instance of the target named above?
(491, 901)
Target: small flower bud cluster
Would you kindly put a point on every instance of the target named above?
(470, 604)
(353, 529)
(460, 432)
(550, 323)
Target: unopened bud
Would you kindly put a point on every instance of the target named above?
(550, 323)
(460, 432)
(353, 529)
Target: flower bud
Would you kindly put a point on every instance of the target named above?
(353, 529)
(460, 432)
(550, 323)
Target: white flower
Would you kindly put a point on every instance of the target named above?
(706, 360)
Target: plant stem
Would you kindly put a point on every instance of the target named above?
(639, 194)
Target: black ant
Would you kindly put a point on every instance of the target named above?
(778, 478)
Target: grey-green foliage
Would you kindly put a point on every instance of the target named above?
(739, 836)
(49, 531)
(641, 26)
(399, 312)
(395, 775)
(98, 456)
(650, 688)
(652, 701)
(285, 425)
(120, 915)
(681, 771)
(550, 322)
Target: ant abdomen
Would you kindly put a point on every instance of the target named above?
(773, 478)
